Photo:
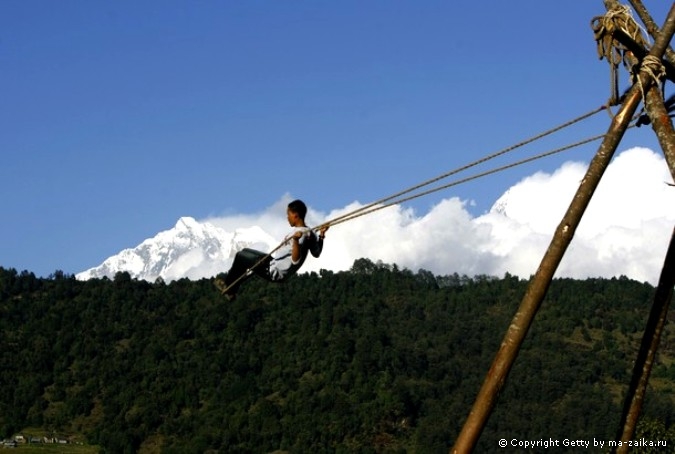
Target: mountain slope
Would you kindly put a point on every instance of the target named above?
(189, 250)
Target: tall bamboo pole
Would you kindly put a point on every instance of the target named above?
(522, 320)
(651, 26)
(656, 110)
(662, 126)
(647, 352)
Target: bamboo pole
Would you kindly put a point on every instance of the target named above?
(539, 284)
(638, 51)
(656, 110)
(662, 126)
(651, 26)
(562, 237)
(647, 352)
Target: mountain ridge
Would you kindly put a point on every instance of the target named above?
(191, 249)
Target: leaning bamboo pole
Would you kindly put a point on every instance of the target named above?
(651, 26)
(663, 128)
(656, 110)
(539, 284)
(662, 125)
(648, 347)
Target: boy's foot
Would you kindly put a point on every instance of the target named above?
(220, 285)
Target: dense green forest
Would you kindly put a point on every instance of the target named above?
(375, 359)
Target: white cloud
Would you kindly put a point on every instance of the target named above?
(625, 230)
(272, 220)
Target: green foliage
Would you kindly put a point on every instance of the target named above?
(377, 359)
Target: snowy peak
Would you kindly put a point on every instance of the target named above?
(191, 249)
(501, 205)
(187, 224)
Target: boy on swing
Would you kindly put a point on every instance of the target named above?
(280, 264)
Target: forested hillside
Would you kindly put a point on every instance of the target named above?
(376, 359)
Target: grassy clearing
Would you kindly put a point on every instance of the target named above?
(77, 446)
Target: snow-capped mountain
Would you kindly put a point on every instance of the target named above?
(502, 204)
(191, 249)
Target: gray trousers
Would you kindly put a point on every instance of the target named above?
(243, 261)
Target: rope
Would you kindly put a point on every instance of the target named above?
(396, 198)
(618, 18)
(357, 213)
(466, 167)
(653, 67)
(467, 179)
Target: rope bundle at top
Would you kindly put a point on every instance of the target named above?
(618, 18)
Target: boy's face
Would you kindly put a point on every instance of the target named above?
(292, 217)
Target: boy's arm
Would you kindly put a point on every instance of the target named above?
(296, 253)
(317, 246)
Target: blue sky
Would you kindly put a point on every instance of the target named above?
(117, 118)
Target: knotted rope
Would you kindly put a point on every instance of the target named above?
(618, 18)
(653, 68)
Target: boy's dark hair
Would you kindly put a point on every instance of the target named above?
(298, 207)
